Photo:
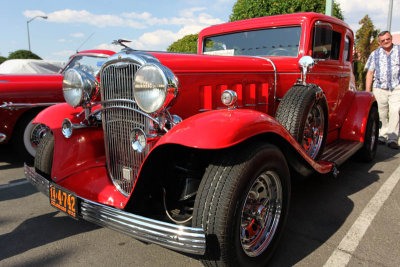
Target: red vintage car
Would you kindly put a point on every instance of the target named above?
(196, 152)
(23, 96)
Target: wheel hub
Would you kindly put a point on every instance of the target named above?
(313, 131)
(261, 213)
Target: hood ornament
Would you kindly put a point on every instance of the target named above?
(121, 42)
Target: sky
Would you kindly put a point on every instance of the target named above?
(150, 25)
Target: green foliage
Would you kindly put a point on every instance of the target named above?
(247, 9)
(23, 54)
(2, 59)
(187, 44)
(365, 42)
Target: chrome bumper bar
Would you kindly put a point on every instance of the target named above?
(181, 238)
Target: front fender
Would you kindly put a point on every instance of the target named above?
(54, 115)
(225, 128)
(222, 128)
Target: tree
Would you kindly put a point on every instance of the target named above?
(2, 59)
(23, 54)
(365, 42)
(247, 9)
(187, 44)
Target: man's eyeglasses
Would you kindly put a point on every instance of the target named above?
(384, 40)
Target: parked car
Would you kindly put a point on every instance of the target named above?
(23, 96)
(196, 152)
(25, 66)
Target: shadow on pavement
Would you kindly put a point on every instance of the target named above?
(17, 191)
(39, 231)
(320, 205)
(10, 157)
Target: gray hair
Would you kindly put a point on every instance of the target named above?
(383, 33)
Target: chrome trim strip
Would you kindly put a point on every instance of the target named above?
(3, 137)
(275, 76)
(181, 238)
(13, 106)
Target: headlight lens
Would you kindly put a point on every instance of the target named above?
(155, 86)
(78, 87)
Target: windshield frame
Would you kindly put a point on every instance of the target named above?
(99, 55)
(300, 26)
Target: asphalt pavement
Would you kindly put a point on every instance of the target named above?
(351, 220)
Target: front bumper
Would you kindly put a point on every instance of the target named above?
(181, 238)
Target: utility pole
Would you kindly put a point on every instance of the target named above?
(27, 28)
(389, 21)
(329, 8)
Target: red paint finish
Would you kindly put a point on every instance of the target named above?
(32, 89)
(355, 124)
(207, 124)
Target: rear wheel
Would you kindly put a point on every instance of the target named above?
(242, 204)
(368, 151)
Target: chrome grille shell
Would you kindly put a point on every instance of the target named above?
(119, 120)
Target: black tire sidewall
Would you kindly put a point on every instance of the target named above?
(366, 153)
(44, 155)
(294, 108)
(268, 158)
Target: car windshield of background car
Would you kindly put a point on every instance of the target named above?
(265, 42)
(90, 64)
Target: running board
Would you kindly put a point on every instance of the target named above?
(340, 150)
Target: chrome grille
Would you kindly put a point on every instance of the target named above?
(118, 122)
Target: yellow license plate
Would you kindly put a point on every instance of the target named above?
(63, 200)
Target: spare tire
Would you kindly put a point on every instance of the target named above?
(303, 111)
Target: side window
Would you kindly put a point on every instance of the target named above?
(326, 43)
(346, 52)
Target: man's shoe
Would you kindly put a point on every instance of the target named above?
(393, 145)
(381, 140)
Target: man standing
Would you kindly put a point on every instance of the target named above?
(385, 63)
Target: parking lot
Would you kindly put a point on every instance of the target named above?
(353, 219)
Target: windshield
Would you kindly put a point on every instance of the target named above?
(265, 42)
(88, 63)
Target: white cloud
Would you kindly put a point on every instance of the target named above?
(377, 10)
(133, 19)
(77, 35)
(61, 40)
(64, 53)
(109, 47)
(33, 13)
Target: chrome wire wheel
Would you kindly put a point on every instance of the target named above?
(314, 131)
(33, 133)
(261, 213)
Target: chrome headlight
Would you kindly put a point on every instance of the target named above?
(78, 87)
(155, 87)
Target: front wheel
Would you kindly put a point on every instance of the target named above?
(242, 204)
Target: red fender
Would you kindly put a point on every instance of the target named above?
(355, 124)
(225, 128)
(79, 162)
(54, 115)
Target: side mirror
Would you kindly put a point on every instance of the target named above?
(306, 63)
